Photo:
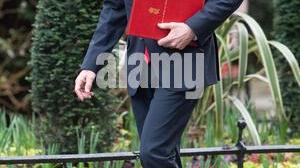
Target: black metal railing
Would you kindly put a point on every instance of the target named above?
(240, 150)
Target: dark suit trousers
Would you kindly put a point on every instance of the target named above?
(161, 117)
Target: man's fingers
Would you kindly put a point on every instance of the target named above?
(79, 94)
(78, 84)
(88, 85)
(169, 25)
(180, 46)
(83, 84)
(165, 41)
(78, 90)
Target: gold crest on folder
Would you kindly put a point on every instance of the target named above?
(154, 11)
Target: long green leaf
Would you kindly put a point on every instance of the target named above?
(234, 54)
(290, 57)
(248, 119)
(226, 53)
(248, 78)
(203, 104)
(227, 27)
(243, 49)
(257, 76)
(268, 61)
(219, 111)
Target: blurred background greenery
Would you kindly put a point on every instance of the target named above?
(42, 44)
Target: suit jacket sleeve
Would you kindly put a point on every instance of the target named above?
(214, 13)
(111, 26)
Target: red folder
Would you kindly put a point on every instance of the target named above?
(146, 14)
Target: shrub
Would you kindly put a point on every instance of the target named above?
(262, 12)
(62, 31)
(287, 30)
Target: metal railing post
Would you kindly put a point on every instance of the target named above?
(240, 144)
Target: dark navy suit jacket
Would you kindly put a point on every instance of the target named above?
(113, 20)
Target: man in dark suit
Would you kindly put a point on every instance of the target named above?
(161, 113)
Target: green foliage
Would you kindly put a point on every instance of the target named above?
(61, 35)
(287, 31)
(17, 136)
(251, 42)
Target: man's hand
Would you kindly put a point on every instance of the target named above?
(83, 84)
(179, 37)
